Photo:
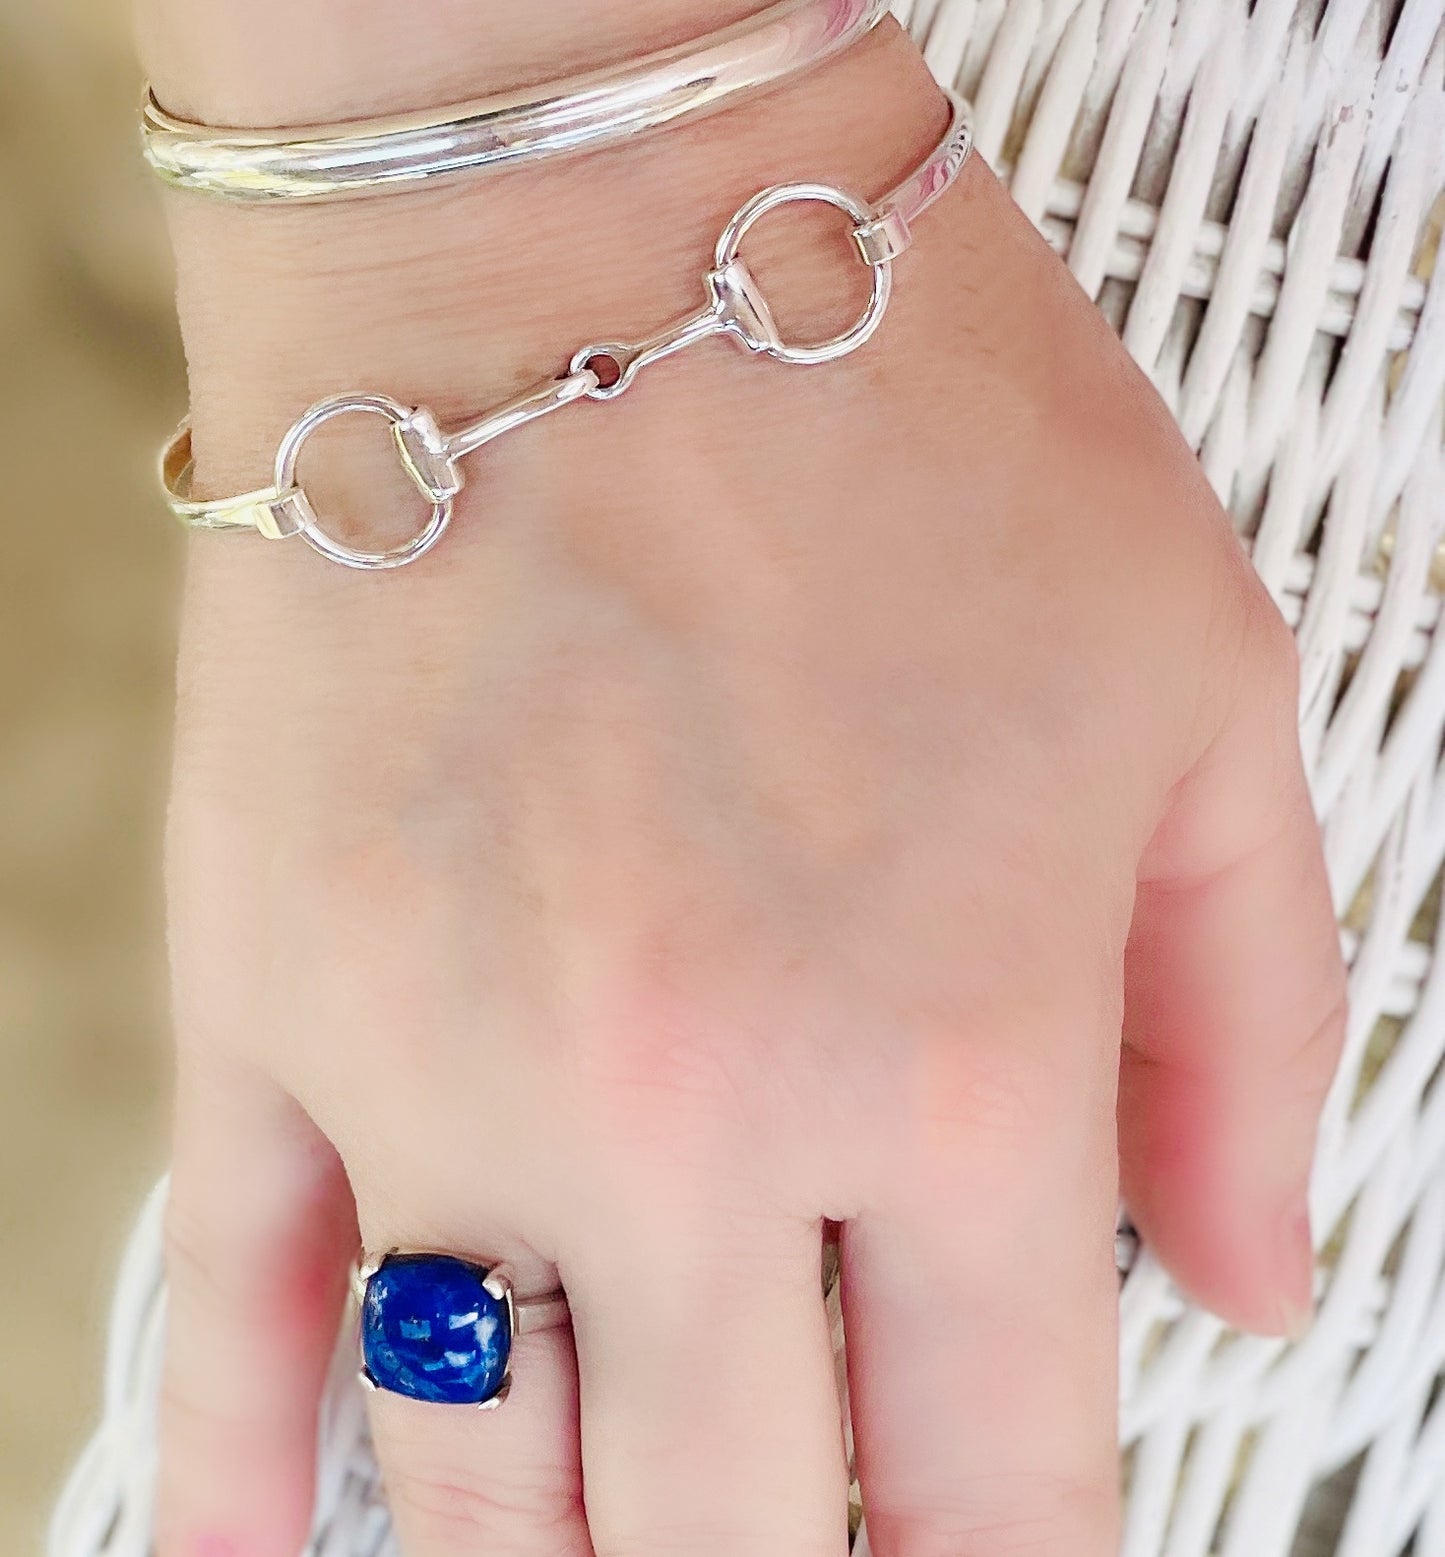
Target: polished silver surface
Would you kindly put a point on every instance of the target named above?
(312, 531)
(734, 307)
(907, 201)
(329, 162)
(768, 339)
(540, 1313)
(549, 396)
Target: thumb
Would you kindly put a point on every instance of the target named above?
(1234, 1011)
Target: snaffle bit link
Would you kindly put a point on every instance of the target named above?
(604, 370)
(581, 113)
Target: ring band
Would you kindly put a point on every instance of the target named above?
(331, 162)
(439, 1328)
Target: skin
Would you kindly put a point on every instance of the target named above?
(865, 793)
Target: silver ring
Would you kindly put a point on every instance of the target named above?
(439, 1327)
(311, 531)
(861, 214)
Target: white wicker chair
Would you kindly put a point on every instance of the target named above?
(1253, 192)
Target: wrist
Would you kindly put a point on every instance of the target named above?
(298, 62)
(458, 296)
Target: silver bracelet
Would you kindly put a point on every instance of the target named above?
(735, 307)
(329, 162)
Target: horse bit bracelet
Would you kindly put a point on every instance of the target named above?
(735, 307)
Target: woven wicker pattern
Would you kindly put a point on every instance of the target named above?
(1253, 194)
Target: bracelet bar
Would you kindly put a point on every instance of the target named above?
(734, 308)
(891, 230)
(274, 512)
(598, 108)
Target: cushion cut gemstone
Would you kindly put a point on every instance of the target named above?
(431, 1330)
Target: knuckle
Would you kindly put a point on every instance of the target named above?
(1001, 1075)
(1013, 1516)
(1251, 649)
(990, 1101)
(1314, 1057)
(1275, 649)
(1012, 1131)
(678, 1065)
(536, 1508)
(650, 1041)
(193, 1259)
(702, 1538)
(189, 1418)
(215, 1280)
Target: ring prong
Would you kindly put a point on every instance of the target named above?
(364, 1270)
(498, 1282)
(503, 1390)
(368, 1383)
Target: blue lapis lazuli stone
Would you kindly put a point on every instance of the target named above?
(431, 1330)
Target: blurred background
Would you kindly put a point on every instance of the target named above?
(90, 381)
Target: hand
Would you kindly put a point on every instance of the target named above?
(784, 795)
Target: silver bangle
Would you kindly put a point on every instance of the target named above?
(330, 162)
(735, 307)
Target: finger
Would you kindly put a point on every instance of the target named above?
(507, 1482)
(1234, 1016)
(260, 1229)
(980, 1302)
(710, 1413)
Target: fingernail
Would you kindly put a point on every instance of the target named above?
(1297, 1274)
